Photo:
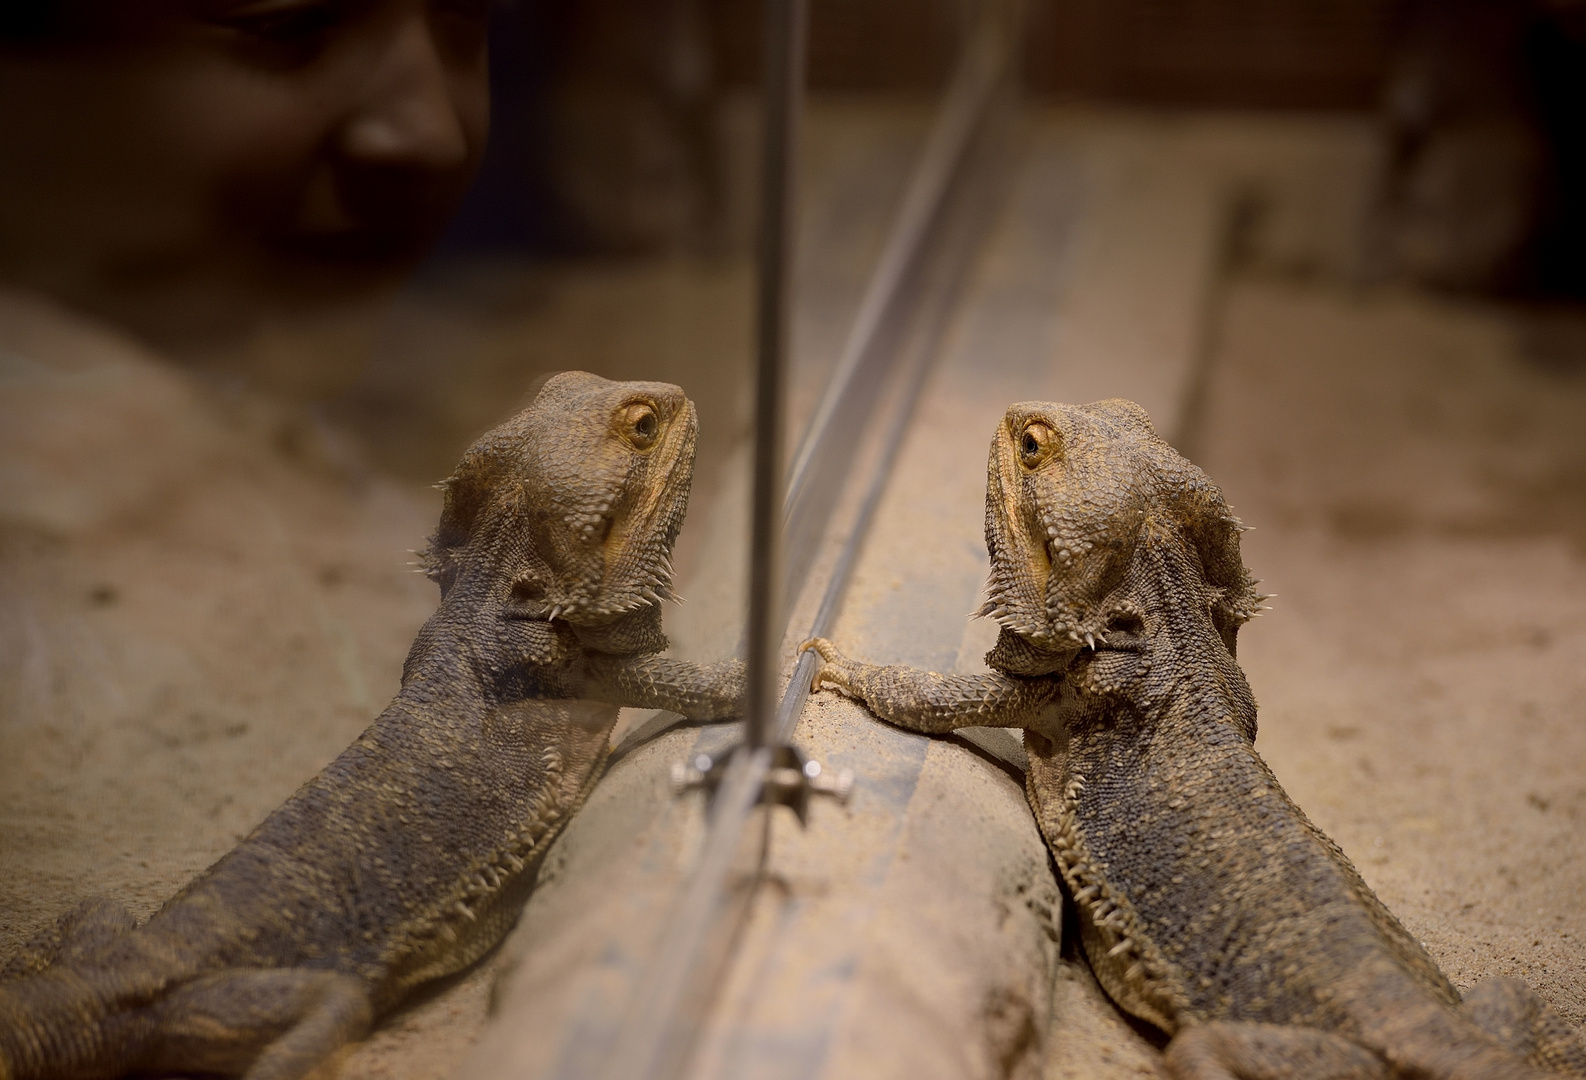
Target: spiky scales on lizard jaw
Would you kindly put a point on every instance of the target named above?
(1209, 905)
(409, 856)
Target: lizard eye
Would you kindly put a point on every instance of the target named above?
(640, 425)
(1036, 443)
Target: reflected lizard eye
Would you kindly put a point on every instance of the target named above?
(640, 425)
(1037, 443)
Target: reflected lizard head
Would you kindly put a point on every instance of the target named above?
(568, 511)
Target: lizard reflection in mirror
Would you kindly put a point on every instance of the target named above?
(1209, 906)
(411, 854)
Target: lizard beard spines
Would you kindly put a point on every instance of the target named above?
(1126, 961)
(482, 881)
(652, 588)
(427, 564)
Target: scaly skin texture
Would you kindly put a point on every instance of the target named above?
(1209, 905)
(410, 855)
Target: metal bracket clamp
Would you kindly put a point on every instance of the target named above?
(791, 780)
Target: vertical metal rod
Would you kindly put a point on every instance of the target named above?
(783, 82)
(664, 1016)
(968, 96)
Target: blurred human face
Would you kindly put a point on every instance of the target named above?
(182, 164)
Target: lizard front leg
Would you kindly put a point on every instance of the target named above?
(698, 691)
(928, 701)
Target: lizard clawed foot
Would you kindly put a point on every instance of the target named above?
(830, 671)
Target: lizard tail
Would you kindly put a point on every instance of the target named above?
(56, 1026)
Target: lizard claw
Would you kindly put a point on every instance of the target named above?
(814, 644)
(820, 645)
(829, 655)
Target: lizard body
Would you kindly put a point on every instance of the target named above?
(409, 856)
(1209, 905)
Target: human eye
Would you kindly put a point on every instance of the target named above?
(462, 23)
(295, 26)
(474, 10)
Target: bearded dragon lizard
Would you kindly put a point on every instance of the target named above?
(410, 855)
(1209, 905)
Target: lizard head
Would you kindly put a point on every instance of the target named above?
(569, 510)
(1073, 492)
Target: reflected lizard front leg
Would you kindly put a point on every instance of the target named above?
(929, 701)
(698, 691)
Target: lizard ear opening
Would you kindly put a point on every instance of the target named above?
(466, 495)
(1213, 531)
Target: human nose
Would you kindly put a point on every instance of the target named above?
(408, 114)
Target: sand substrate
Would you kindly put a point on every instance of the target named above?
(1414, 467)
